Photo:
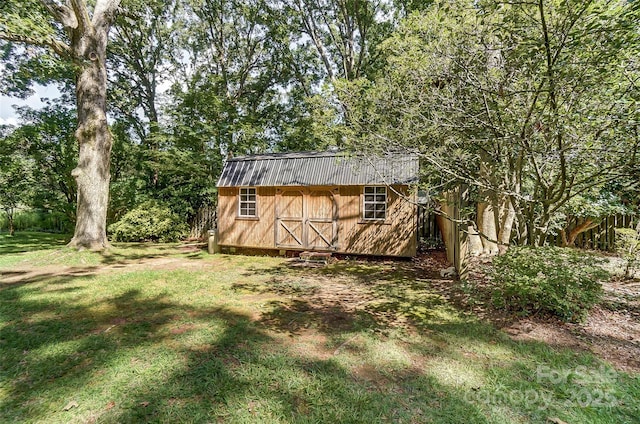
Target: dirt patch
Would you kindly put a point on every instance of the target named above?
(610, 335)
(332, 306)
(306, 343)
(182, 329)
(551, 333)
(611, 330)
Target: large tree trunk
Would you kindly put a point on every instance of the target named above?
(495, 224)
(506, 220)
(475, 242)
(487, 227)
(569, 236)
(93, 171)
(84, 42)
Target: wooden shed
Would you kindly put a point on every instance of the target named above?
(322, 201)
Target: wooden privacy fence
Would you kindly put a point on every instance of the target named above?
(205, 220)
(429, 234)
(603, 237)
(435, 230)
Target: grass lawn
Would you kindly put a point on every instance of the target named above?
(167, 333)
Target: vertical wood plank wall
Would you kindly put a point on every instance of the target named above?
(249, 232)
(396, 236)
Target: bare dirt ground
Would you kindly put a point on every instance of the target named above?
(611, 330)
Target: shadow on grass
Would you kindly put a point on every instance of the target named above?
(27, 241)
(141, 355)
(135, 357)
(121, 253)
(50, 249)
(351, 296)
(25, 277)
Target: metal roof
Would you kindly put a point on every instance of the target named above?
(318, 168)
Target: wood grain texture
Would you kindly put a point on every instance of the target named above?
(319, 218)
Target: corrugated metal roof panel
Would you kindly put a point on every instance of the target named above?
(318, 168)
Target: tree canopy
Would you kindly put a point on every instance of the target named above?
(533, 105)
(530, 103)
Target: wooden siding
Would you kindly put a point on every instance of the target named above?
(319, 218)
(396, 236)
(248, 232)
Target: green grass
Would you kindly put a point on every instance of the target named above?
(28, 242)
(151, 333)
(44, 249)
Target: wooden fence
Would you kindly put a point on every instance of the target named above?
(437, 231)
(205, 220)
(429, 234)
(603, 237)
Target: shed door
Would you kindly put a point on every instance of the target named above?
(322, 223)
(306, 220)
(290, 219)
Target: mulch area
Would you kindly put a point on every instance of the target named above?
(611, 330)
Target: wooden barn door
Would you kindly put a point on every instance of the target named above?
(321, 223)
(306, 220)
(290, 219)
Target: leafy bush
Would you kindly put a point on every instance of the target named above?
(149, 222)
(548, 280)
(628, 247)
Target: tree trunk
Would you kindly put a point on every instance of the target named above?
(506, 219)
(569, 239)
(475, 242)
(93, 171)
(12, 229)
(487, 227)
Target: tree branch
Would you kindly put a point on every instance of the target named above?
(55, 45)
(104, 12)
(81, 13)
(61, 13)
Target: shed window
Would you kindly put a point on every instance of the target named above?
(375, 203)
(248, 202)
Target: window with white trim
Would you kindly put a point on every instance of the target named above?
(375, 203)
(248, 205)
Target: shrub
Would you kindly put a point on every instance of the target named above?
(548, 280)
(149, 222)
(628, 247)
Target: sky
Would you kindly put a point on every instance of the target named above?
(7, 112)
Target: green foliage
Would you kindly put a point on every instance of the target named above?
(27, 21)
(595, 206)
(38, 220)
(584, 212)
(532, 100)
(547, 280)
(16, 176)
(47, 135)
(628, 246)
(149, 222)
